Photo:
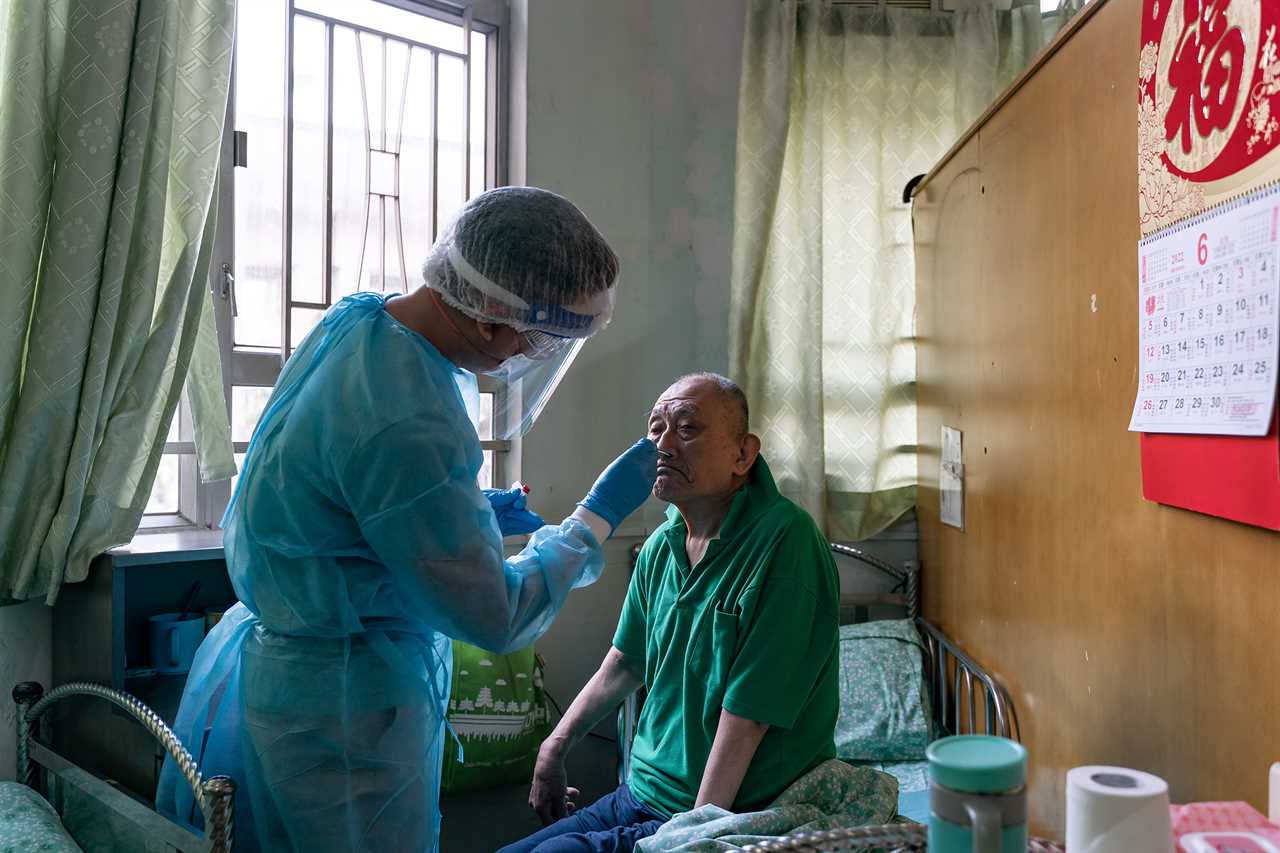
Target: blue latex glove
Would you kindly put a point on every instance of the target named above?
(509, 505)
(625, 485)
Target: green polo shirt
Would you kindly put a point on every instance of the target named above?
(753, 629)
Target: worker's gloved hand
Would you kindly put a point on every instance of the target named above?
(625, 485)
(509, 505)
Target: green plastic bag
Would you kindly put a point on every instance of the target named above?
(498, 709)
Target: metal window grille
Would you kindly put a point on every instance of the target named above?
(355, 129)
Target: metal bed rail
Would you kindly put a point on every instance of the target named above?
(966, 699)
(215, 796)
(894, 838)
(907, 575)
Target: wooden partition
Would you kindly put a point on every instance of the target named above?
(1128, 633)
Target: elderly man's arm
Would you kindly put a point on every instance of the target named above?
(617, 678)
(735, 744)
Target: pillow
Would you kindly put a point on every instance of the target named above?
(499, 710)
(884, 706)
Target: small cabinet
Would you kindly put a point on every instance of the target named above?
(101, 634)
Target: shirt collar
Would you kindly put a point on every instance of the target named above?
(755, 495)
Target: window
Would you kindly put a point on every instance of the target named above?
(357, 129)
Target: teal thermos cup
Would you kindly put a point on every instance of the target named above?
(977, 795)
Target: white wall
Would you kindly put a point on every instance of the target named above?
(25, 655)
(630, 111)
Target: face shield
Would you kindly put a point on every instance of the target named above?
(525, 385)
(526, 259)
(551, 338)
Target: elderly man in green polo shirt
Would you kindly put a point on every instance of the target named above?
(730, 624)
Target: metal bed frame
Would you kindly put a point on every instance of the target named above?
(41, 768)
(965, 698)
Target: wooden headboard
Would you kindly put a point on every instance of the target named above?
(1128, 633)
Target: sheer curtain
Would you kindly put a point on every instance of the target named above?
(111, 118)
(839, 107)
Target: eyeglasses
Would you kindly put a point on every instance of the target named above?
(540, 345)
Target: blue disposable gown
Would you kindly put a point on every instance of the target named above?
(358, 543)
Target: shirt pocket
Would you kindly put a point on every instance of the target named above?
(712, 648)
(724, 636)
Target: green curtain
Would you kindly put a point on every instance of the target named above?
(111, 120)
(839, 107)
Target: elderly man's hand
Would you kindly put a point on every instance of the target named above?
(550, 795)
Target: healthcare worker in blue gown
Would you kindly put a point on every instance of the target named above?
(359, 543)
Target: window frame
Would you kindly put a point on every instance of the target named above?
(202, 504)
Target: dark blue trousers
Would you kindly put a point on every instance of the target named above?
(612, 824)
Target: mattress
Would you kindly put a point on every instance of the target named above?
(27, 822)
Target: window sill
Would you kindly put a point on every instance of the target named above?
(164, 523)
(169, 546)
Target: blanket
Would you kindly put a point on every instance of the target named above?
(833, 795)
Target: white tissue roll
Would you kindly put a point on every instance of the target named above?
(1117, 810)
(1273, 794)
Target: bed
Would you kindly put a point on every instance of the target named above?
(956, 694)
(959, 695)
(59, 807)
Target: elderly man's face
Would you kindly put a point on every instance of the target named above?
(703, 451)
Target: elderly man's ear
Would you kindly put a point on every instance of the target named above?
(748, 450)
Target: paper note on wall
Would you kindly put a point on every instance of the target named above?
(951, 479)
(1208, 290)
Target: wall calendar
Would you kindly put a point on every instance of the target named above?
(1208, 289)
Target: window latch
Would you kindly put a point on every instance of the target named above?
(228, 289)
(239, 148)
